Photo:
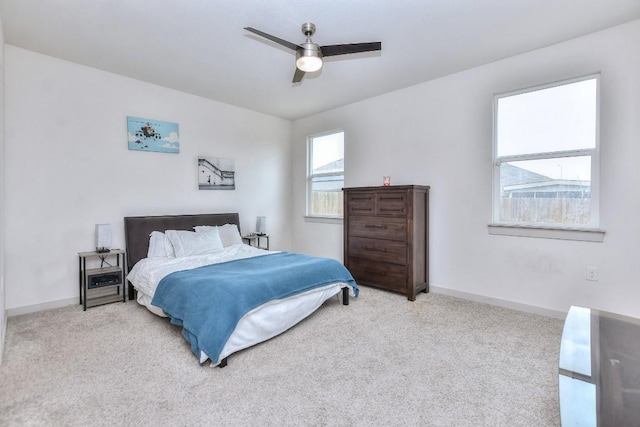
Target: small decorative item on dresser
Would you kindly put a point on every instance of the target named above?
(386, 180)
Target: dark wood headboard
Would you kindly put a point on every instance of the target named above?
(138, 228)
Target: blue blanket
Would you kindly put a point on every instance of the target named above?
(207, 302)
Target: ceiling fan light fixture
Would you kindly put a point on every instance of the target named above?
(309, 64)
(309, 55)
(309, 58)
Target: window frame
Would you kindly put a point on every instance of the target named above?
(547, 230)
(310, 176)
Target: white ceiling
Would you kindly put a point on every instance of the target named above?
(200, 46)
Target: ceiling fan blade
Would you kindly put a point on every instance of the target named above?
(299, 74)
(273, 38)
(343, 49)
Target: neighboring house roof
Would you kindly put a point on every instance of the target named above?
(330, 183)
(331, 167)
(554, 186)
(513, 175)
(517, 180)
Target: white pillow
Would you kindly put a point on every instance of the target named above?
(187, 243)
(204, 228)
(229, 233)
(159, 246)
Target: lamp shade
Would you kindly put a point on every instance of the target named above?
(103, 237)
(261, 225)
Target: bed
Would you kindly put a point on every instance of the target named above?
(233, 295)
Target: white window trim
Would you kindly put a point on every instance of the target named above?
(324, 219)
(579, 234)
(310, 217)
(590, 233)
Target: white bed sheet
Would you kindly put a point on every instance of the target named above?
(148, 272)
(260, 324)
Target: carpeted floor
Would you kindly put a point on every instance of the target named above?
(382, 360)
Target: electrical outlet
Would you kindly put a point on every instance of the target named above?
(591, 274)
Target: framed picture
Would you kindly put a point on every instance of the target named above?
(216, 173)
(153, 135)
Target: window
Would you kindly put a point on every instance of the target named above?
(546, 156)
(325, 177)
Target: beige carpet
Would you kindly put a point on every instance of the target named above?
(383, 360)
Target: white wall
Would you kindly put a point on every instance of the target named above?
(68, 168)
(440, 134)
(3, 316)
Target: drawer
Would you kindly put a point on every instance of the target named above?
(381, 274)
(378, 250)
(361, 203)
(391, 203)
(378, 228)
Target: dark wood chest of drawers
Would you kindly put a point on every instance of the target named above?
(386, 237)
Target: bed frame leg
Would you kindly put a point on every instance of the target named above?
(223, 363)
(345, 296)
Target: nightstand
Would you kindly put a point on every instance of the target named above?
(105, 283)
(255, 240)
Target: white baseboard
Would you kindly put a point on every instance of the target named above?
(436, 289)
(40, 307)
(499, 302)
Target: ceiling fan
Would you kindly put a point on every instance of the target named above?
(309, 54)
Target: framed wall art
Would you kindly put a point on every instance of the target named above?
(216, 173)
(153, 135)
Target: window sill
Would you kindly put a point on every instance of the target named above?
(323, 219)
(579, 234)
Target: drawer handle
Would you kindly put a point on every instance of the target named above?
(391, 210)
(381, 273)
(361, 209)
(382, 227)
(370, 249)
(391, 198)
(360, 198)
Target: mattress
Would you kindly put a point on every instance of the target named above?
(260, 324)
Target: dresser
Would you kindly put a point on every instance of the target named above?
(386, 237)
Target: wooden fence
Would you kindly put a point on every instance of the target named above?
(518, 209)
(327, 202)
(550, 210)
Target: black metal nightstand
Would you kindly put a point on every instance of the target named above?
(102, 280)
(255, 240)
